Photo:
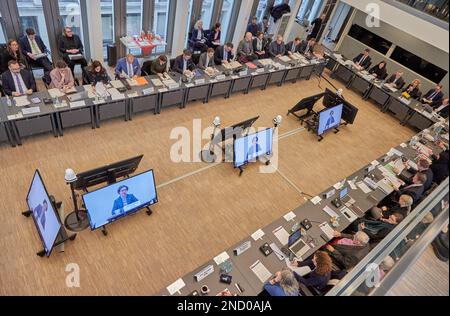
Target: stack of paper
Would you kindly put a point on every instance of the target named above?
(157, 82)
(286, 59)
(282, 235)
(261, 271)
(117, 84)
(302, 271)
(21, 101)
(115, 94)
(32, 110)
(364, 187)
(55, 93)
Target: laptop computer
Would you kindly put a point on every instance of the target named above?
(78, 96)
(296, 246)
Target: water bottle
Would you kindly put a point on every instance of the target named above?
(8, 102)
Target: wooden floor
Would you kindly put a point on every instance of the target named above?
(427, 277)
(198, 216)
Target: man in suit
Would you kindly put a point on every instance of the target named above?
(423, 167)
(71, 49)
(245, 52)
(440, 167)
(433, 96)
(40, 213)
(17, 82)
(277, 48)
(206, 59)
(347, 255)
(442, 108)
(396, 80)
(33, 47)
(294, 46)
(363, 60)
(184, 64)
(306, 47)
(123, 200)
(260, 45)
(128, 67)
(223, 54)
(414, 190)
(253, 27)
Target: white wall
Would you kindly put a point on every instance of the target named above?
(406, 22)
(95, 30)
(242, 22)
(180, 31)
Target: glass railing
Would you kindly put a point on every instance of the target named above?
(434, 11)
(386, 263)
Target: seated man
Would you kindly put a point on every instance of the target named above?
(442, 108)
(245, 52)
(306, 47)
(184, 64)
(159, 66)
(260, 45)
(378, 229)
(282, 284)
(404, 207)
(128, 67)
(415, 190)
(350, 250)
(223, 54)
(62, 78)
(396, 80)
(198, 38)
(277, 48)
(363, 60)
(34, 48)
(440, 167)
(294, 46)
(71, 49)
(423, 167)
(253, 27)
(206, 59)
(433, 96)
(17, 81)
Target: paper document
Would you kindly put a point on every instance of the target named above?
(385, 186)
(261, 271)
(33, 110)
(327, 230)
(259, 234)
(289, 216)
(71, 90)
(286, 59)
(302, 271)
(282, 235)
(77, 104)
(316, 200)
(117, 84)
(221, 258)
(352, 185)
(364, 187)
(176, 287)
(21, 101)
(395, 152)
(115, 94)
(349, 215)
(330, 212)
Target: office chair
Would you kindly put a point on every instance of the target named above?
(402, 86)
(172, 63)
(196, 58)
(384, 77)
(146, 67)
(368, 66)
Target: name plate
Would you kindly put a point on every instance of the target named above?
(260, 70)
(243, 73)
(163, 90)
(204, 273)
(132, 95)
(173, 86)
(77, 104)
(221, 77)
(148, 91)
(289, 216)
(258, 235)
(213, 81)
(176, 287)
(330, 194)
(221, 258)
(242, 248)
(200, 81)
(189, 85)
(33, 110)
(282, 67)
(234, 77)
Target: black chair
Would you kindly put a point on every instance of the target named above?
(196, 58)
(385, 76)
(402, 86)
(146, 67)
(172, 63)
(368, 66)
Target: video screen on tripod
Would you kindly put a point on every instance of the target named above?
(251, 147)
(44, 215)
(330, 118)
(118, 200)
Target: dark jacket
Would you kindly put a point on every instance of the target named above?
(314, 279)
(276, 49)
(440, 168)
(317, 25)
(415, 192)
(436, 99)
(195, 34)
(347, 257)
(264, 45)
(366, 61)
(8, 81)
(6, 57)
(400, 81)
(118, 203)
(178, 65)
(253, 28)
(304, 47)
(377, 230)
(66, 43)
(444, 112)
(95, 77)
(290, 45)
(415, 93)
(278, 11)
(381, 73)
(212, 35)
(26, 47)
(219, 55)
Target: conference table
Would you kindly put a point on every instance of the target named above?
(251, 258)
(42, 113)
(408, 112)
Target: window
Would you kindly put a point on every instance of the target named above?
(2, 32)
(225, 18)
(188, 26)
(70, 12)
(309, 10)
(31, 15)
(206, 14)
(134, 17)
(107, 12)
(418, 65)
(161, 20)
(370, 39)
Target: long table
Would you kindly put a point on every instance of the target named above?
(241, 264)
(408, 112)
(36, 118)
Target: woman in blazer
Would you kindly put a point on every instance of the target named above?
(413, 89)
(215, 35)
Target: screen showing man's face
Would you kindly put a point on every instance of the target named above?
(123, 192)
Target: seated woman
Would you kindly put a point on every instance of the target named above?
(214, 36)
(97, 73)
(198, 38)
(159, 66)
(413, 89)
(318, 51)
(379, 71)
(321, 266)
(282, 284)
(12, 52)
(62, 77)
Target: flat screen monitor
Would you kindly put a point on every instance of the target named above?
(306, 104)
(234, 131)
(343, 193)
(251, 147)
(47, 221)
(329, 119)
(120, 199)
(349, 113)
(107, 173)
(294, 237)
